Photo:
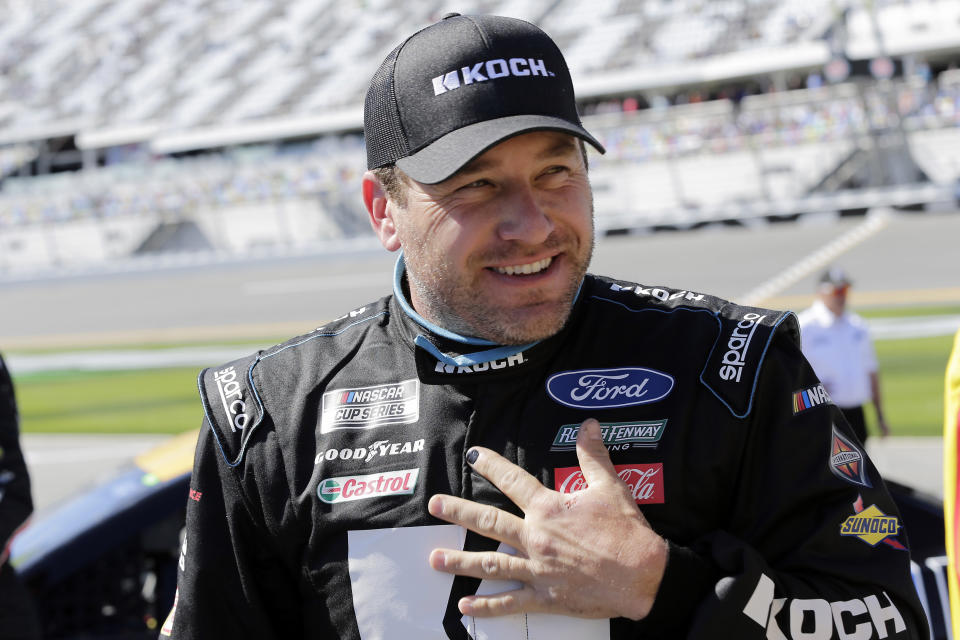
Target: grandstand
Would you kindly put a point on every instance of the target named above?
(144, 128)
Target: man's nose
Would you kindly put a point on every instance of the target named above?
(524, 218)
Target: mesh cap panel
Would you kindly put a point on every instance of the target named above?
(381, 122)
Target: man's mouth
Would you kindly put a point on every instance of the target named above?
(525, 269)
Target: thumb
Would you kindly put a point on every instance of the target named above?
(593, 456)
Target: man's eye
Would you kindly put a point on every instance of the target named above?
(475, 184)
(556, 169)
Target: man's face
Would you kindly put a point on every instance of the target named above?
(498, 250)
(834, 297)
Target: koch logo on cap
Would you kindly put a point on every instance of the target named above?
(458, 87)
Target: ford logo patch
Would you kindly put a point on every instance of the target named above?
(609, 388)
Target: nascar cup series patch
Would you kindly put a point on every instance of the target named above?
(847, 460)
(369, 407)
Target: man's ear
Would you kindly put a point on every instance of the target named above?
(381, 211)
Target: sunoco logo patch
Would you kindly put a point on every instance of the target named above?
(872, 526)
(374, 485)
(369, 407)
(616, 435)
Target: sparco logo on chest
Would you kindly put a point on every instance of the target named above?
(738, 343)
(644, 480)
(609, 388)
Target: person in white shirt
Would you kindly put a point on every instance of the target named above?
(837, 344)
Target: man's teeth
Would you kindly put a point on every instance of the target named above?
(525, 269)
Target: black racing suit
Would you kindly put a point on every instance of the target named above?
(18, 618)
(308, 512)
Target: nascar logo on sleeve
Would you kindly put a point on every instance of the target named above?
(810, 398)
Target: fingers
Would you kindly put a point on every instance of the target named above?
(486, 565)
(593, 455)
(483, 519)
(515, 483)
(501, 604)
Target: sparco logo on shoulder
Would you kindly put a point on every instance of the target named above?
(738, 343)
(609, 388)
(231, 395)
(489, 70)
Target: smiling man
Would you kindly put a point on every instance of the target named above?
(498, 250)
(508, 447)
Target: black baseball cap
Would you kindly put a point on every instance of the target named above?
(835, 278)
(451, 91)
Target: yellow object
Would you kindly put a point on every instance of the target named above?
(870, 525)
(170, 459)
(951, 454)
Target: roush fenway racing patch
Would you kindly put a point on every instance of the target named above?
(645, 481)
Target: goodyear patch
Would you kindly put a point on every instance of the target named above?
(810, 398)
(616, 435)
(369, 407)
(872, 526)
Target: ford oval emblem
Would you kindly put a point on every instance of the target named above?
(609, 388)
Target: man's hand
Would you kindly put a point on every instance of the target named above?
(589, 554)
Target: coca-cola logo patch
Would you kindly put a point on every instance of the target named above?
(644, 480)
(609, 388)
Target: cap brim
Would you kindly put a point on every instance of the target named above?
(438, 161)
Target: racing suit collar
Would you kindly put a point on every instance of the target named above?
(452, 349)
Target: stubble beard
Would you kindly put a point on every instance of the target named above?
(457, 305)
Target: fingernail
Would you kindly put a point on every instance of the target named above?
(593, 432)
(472, 456)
